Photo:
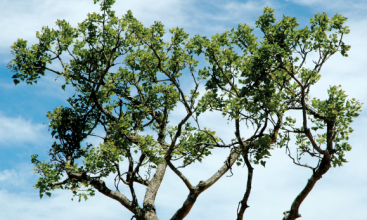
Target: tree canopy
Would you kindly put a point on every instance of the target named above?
(126, 79)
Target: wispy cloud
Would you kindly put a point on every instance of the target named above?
(58, 207)
(340, 5)
(17, 130)
(18, 178)
(23, 18)
(192, 15)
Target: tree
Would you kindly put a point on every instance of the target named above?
(126, 81)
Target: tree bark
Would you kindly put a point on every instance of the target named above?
(323, 168)
(152, 190)
(243, 203)
(203, 185)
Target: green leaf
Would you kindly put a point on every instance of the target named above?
(16, 81)
(263, 163)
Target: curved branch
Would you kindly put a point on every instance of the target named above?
(243, 203)
(323, 168)
(100, 185)
(203, 185)
(179, 174)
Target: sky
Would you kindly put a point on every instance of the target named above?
(341, 193)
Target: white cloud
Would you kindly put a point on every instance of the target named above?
(15, 130)
(32, 15)
(59, 206)
(23, 18)
(16, 178)
(7, 175)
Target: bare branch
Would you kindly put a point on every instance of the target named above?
(179, 174)
(203, 185)
(102, 188)
(295, 162)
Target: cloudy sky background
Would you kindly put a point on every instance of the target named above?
(341, 194)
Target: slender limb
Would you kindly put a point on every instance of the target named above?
(322, 169)
(311, 111)
(242, 206)
(140, 180)
(203, 185)
(130, 178)
(102, 188)
(179, 174)
(177, 135)
(294, 160)
(243, 203)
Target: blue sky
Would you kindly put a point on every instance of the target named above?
(341, 194)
